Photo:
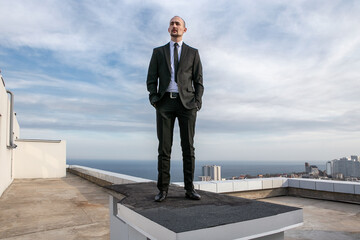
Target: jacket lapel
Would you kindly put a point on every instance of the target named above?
(167, 55)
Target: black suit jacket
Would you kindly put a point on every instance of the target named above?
(189, 76)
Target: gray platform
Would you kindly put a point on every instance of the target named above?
(215, 216)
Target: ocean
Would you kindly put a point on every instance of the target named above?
(148, 169)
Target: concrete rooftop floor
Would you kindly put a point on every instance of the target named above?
(66, 208)
(73, 208)
(323, 220)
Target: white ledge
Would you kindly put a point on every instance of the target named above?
(115, 178)
(37, 140)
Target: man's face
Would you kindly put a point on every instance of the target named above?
(176, 27)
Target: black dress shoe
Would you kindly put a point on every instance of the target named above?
(161, 196)
(192, 194)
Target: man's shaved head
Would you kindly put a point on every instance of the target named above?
(180, 18)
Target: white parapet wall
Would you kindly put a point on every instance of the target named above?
(40, 158)
(325, 185)
(233, 186)
(111, 177)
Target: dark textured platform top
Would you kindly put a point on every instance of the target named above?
(180, 214)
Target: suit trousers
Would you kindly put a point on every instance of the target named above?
(167, 110)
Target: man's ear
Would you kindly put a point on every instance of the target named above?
(185, 29)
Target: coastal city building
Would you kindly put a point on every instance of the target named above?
(344, 167)
(311, 170)
(211, 172)
(329, 166)
(307, 167)
(314, 171)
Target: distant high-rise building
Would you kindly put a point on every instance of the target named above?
(345, 167)
(212, 171)
(307, 167)
(206, 170)
(329, 167)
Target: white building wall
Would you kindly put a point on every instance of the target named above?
(6, 155)
(40, 159)
(31, 159)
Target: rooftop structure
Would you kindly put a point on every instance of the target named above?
(74, 208)
(25, 158)
(215, 217)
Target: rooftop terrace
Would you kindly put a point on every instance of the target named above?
(63, 208)
(74, 208)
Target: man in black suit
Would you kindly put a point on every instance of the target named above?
(175, 85)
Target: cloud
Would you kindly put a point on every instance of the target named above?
(277, 68)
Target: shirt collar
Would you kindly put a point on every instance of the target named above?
(172, 43)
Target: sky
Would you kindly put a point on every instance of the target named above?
(281, 77)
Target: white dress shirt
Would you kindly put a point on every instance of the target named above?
(173, 85)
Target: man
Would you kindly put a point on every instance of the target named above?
(175, 86)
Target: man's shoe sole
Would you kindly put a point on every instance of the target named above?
(188, 197)
(159, 200)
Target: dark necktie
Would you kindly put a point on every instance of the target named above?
(176, 60)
